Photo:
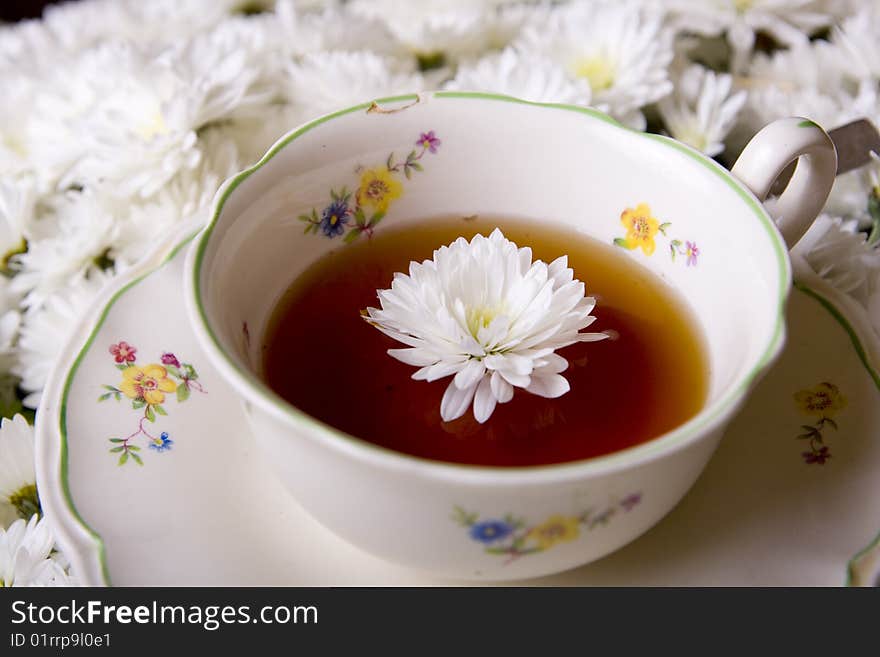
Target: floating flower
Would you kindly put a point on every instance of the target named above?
(379, 187)
(557, 529)
(823, 400)
(123, 352)
(170, 359)
(149, 383)
(641, 227)
(161, 444)
(817, 456)
(485, 313)
(428, 140)
(18, 481)
(334, 217)
(490, 531)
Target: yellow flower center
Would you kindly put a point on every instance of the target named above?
(153, 126)
(742, 6)
(480, 317)
(148, 383)
(25, 501)
(333, 219)
(598, 70)
(13, 143)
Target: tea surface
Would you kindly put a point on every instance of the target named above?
(322, 357)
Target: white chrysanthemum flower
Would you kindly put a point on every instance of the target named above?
(142, 127)
(452, 29)
(524, 75)
(859, 37)
(10, 320)
(703, 109)
(26, 556)
(331, 30)
(77, 236)
(790, 22)
(18, 481)
(322, 82)
(485, 313)
(45, 331)
(622, 49)
(16, 214)
(186, 196)
(812, 81)
(17, 102)
(838, 252)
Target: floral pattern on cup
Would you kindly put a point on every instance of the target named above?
(148, 387)
(823, 402)
(514, 537)
(358, 213)
(642, 228)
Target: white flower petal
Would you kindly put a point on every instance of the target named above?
(470, 374)
(550, 386)
(502, 390)
(455, 401)
(484, 400)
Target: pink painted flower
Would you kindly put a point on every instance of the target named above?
(170, 359)
(817, 456)
(691, 251)
(123, 352)
(429, 141)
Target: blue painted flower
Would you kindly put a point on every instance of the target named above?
(334, 217)
(490, 531)
(162, 444)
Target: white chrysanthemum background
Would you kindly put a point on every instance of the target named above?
(120, 118)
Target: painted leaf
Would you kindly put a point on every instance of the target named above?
(351, 236)
(182, 393)
(149, 414)
(161, 411)
(619, 241)
(123, 459)
(117, 449)
(137, 459)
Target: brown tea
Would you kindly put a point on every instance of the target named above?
(322, 357)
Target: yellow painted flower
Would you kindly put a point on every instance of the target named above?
(557, 529)
(149, 383)
(378, 188)
(823, 400)
(641, 228)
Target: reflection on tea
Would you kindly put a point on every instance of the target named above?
(324, 359)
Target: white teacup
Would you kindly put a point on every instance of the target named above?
(504, 157)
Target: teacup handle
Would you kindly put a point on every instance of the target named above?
(767, 155)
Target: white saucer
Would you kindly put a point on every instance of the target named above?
(208, 511)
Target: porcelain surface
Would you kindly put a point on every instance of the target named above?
(776, 505)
